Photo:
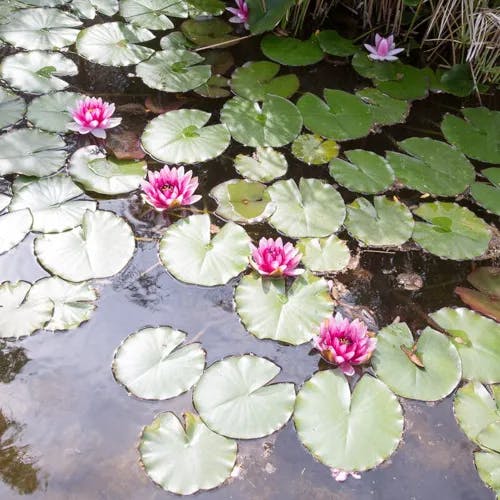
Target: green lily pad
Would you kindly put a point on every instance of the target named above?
(486, 279)
(234, 397)
(89, 8)
(264, 165)
(181, 136)
(242, 201)
(12, 108)
(336, 45)
(314, 208)
(31, 152)
(150, 363)
(255, 79)
(291, 51)
(40, 29)
(441, 371)
(385, 223)
(271, 311)
(185, 459)
(274, 123)
(410, 83)
(366, 172)
(114, 44)
(215, 87)
(205, 7)
(488, 195)
(191, 255)
(151, 14)
(450, 231)
(101, 247)
(314, 149)
(173, 70)
(207, 31)
(175, 40)
(90, 167)
(14, 226)
(458, 80)
(488, 468)
(477, 136)
(377, 70)
(19, 315)
(74, 303)
(477, 339)
(385, 110)
(264, 15)
(324, 255)
(337, 427)
(37, 72)
(344, 116)
(431, 167)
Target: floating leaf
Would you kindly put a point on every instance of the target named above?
(458, 80)
(385, 110)
(488, 195)
(265, 15)
(314, 208)
(366, 172)
(12, 108)
(441, 370)
(486, 279)
(14, 226)
(214, 7)
(151, 364)
(378, 70)
(189, 254)
(89, 8)
(101, 247)
(336, 45)
(151, 14)
(291, 51)
(4, 201)
(175, 40)
(450, 231)
(271, 311)
(207, 31)
(314, 149)
(114, 44)
(215, 87)
(477, 339)
(385, 223)
(264, 165)
(410, 83)
(488, 467)
(180, 137)
(276, 123)
(351, 432)
(324, 255)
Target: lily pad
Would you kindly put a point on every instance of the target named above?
(336, 45)
(19, 315)
(265, 15)
(314, 149)
(151, 364)
(441, 370)
(324, 255)
(12, 108)
(101, 247)
(31, 152)
(89, 8)
(191, 255)
(185, 459)
(234, 397)
(477, 339)
(264, 165)
(488, 195)
(458, 80)
(276, 123)
(385, 223)
(488, 467)
(114, 44)
(175, 40)
(377, 70)
(385, 110)
(242, 201)
(410, 83)
(254, 80)
(291, 51)
(365, 172)
(314, 208)
(181, 136)
(73, 302)
(337, 427)
(174, 70)
(450, 231)
(270, 310)
(14, 226)
(214, 88)
(4, 201)
(37, 72)
(431, 167)
(151, 14)
(207, 31)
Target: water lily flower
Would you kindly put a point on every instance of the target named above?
(169, 188)
(344, 343)
(341, 475)
(272, 258)
(384, 49)
(240, 13)
(93, 115)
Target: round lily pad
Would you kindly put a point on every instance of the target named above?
(313, 208)
(181, 136)
(205, 32)
(270, 310)
(150, 14)
(264, 165)
(101, 247)
(151, 364)
(274, 123)
(450, 231)
(175, 40)
(351, 432)
(324, 255)
(14, 226)
(441, 370)
(185, 459)
(191, 255)
(215, 87)
(410, 83)
(385, 110)
(291, 51)
(89, 8)
(336, 45)
(12, 108)
(488, 468)
(234, 397)
(488, 195)
(377, 70)
(314, 149)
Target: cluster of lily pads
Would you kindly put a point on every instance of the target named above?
(76, 242)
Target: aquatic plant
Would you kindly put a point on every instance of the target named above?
(93, 115)
(240, 12)
(272, 258)
(384, 49)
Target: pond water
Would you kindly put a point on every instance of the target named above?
(68, 431)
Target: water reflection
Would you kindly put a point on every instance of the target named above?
(12, 360)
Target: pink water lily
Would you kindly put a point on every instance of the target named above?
(384, 49)
(344, 343)
(240, 13)
(93, 115)
(272, 258)
(170, 188)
